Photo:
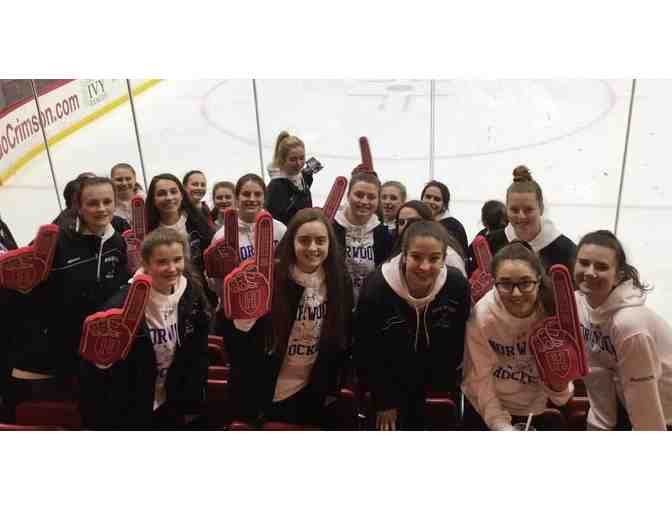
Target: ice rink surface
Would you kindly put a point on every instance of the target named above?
(570, 133)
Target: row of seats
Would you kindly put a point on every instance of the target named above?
(349, 410)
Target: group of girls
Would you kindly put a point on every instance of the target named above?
(383, 288)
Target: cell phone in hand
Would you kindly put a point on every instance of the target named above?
(312, 166)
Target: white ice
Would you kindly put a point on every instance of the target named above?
(570, 133)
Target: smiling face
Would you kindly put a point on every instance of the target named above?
(423, 261)
(97, 207)
(390, 198)
(311, 246)
(362, 201)
(196, 187)
(434, 199)
(167, 197)
(596, 273)
(517, 303)
(165, 266)
(223, 198)
(524, 215)
(296, 159)
(124, 182)
(250, 201)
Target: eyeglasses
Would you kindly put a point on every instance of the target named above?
(525, 287)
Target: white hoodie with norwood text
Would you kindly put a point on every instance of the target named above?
(501, 378)
(630, 357)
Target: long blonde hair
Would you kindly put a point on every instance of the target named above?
(283, 145)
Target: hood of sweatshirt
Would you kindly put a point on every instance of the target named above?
(444, 215)
(549, 233)
(356, 230)
(276, 173)
(624, 295)
(395, 278)
(109, 231)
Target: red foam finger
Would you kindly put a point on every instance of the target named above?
(222, 257)
(334, 198)
(365, 151)
(263, 245)
(136, 301)
(132, 250)
(25, 268)
(247, 293)
(139, 218)
(480, 282)
(107, 337)
(482, 253)
(565, 302)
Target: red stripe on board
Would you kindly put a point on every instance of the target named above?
(9, 109)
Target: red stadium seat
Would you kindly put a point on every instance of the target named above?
(576, 413)
(215, 354)
(216, 409)
(218, 372)
(441, 412)
(219, 341)
(9, 426)
(279, 425)
(64, 414)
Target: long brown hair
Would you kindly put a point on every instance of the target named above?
(339, 303)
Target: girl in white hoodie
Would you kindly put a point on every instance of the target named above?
(501, 379)
(629, 346)
(364, 240)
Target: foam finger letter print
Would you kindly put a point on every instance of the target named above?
(107, 336)
(222, 257)
(557, 343)
(248, 289)
(481, 280)
(25, 268)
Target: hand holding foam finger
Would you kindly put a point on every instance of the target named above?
(222, 257)
(557, 343)
(248, 289)
(481, 281)
(25, 268)
(107, 337)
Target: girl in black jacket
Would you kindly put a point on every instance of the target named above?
(90, 265)
(289, 189)
(525, 209)
(437, 196)
(163, 378)
(284, 364)
(168, 205)
(409, 327)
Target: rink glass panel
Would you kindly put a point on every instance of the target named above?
(331, 115)
(204, 125)
(569, 133)
(646, 211)
(28, 198)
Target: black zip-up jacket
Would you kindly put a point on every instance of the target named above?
(456, 229)
(122, 396)
(385, 329)
(561, 251)
(284, 199)
(255, 370)
(86, 272)
(10, 304)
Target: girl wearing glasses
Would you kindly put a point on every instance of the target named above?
(501, 380)
(525, 209)
(629, 345)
